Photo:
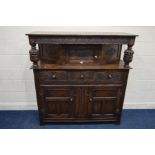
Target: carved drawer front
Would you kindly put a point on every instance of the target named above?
(104, 76)
(104, 101)
(52, 76)
(109, 76)
(81, 75)
(59, 101)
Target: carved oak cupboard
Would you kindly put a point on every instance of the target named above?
(79, 76)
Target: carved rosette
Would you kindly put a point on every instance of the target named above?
(128, 56)
(34, 54)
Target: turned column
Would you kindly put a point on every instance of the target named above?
(34, 54)
(128, 55)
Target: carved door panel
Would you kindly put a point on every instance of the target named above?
(59, 101)
(103, 101)
(81, 107)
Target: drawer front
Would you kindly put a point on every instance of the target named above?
(82, 77)
(52, 76)
(104, 76)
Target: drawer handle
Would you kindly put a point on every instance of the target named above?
(90, 99)
(95, 56)
(54, 76)
(71, 99)
(82, 76)
(109, 76)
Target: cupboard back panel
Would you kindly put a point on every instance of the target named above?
(81, 54)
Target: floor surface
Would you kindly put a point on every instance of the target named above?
(131, 119)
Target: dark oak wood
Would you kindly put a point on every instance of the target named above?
(79, 76)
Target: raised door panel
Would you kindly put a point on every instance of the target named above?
(104, 101)
(59, 102)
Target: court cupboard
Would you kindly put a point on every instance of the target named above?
(79, 76)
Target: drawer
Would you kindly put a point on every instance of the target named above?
(52, 76)
(81, 75)
(107, 76)
(104, 76)
(111, 76)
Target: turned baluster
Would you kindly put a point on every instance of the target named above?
(128, 55)
(34, 54)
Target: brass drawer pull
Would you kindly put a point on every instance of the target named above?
(96, 57)
(109, 76)
(81, 62)
(82, 76)
(54, 76)
(90, 99)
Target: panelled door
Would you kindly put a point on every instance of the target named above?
(59, 101)
(104, 101)
(85, 102)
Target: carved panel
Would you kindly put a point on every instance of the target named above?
(51, 53)
(111, 53)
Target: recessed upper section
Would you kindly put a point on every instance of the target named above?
(62, 33)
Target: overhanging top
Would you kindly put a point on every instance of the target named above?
(62, 33)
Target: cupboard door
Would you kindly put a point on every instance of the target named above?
(59, 101)
(104, 101)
